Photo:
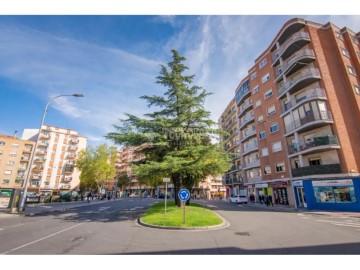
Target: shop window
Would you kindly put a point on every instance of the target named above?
(335, 194)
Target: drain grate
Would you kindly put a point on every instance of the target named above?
(243, 233)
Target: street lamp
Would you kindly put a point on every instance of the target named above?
(23, 198)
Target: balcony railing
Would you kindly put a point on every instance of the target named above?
(303, 75)
(316, 169)
(250, 147)
(41, 152)
(295, 37)
(305, 53)
(311, 94)
(72, 148)
(246, 119)
(246, 105)
(252, 164)
(74, 141)
(309, 118)
(318, 141)
(248, 134)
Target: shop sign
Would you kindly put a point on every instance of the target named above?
(345, 182)
(263, 185)
(278, 184)
(5, 195)
(249, 186)
(298, 183)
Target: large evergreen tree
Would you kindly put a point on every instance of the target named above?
(177, 136)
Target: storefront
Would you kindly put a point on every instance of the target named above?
(332, 194)
(261, 189)
(280, 192)
(300, 195)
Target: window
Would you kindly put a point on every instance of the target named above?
(1, 152)
(46, 183)
(12, 154)
(334, 194)
(265, 78)
(280, 167)
(351, 70)
(268, 94)
(263, 63)
(256, 89)
(262, 135)
(357, 89)
(8, 172)
(2, 143)
(260, 118)
(339, 35)
(345, 52)
(267, 170)
(314, 161)
(276, 147)
(274, 127)
(10, 163)
(6, 181)
(258, 103)
(254, 75)
(271, 110)
(355, 40)
(264, 152)
(15, 145)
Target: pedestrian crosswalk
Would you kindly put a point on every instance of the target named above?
(334, 220)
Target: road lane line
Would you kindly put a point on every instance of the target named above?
(33, 242)
(348, 225)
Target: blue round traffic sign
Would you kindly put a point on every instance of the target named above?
(184, 194)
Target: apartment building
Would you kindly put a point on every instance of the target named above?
(15, 155)
(299, 118)
(53, 169)
(128, 155)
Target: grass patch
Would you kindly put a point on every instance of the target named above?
(195, 215)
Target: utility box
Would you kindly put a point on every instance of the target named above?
(5, 197)
(10, 199)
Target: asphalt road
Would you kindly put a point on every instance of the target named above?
(111, 228)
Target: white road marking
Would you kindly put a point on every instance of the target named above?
(348, 225)
(33, 242)
(305, 217)
(104, 208)
(16, 225)
(1, 229)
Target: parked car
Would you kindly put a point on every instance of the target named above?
(32, 197)
(238, 199)
(162, 196)
(133, 195)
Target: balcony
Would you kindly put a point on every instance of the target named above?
(246, 106)
(72, 148)
(27, 149)
(320, 144)
(315, 170)
(291, 45)
(41, 152)
(313, 94)
(43, 144)
(310, 121)
(251, 165)
(39, 160)
(67, 179)
(71, 156)
(231, 123)
(233, 180)
(248, 148)
(234, 156)
(74, 141)
(243, 92)
(44, 136)
(305, 78)
(248, 134)
(25, 158)
(38, 168)
(37, 176)
(297, 61)
(246, 120)
(68, 168)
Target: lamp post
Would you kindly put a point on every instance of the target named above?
(23, 197)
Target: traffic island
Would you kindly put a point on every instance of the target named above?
(193, 217)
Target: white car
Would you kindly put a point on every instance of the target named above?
(238, 199)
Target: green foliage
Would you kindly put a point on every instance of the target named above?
(97, 165)
(195, 216)
(178, 136)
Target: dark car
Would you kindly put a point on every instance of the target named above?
(162, 196)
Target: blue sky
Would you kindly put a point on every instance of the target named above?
(113, 60)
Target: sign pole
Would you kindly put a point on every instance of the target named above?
(165, 197)
(184, 205)
(184, 195)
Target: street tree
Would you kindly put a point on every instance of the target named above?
(178, 135)
(97, 166)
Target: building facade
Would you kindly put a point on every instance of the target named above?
(15, 156)
(54, 162)
(299, 118)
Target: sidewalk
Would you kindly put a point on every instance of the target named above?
(287, 208)
(40, 208)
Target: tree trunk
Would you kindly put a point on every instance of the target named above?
(176, 178)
